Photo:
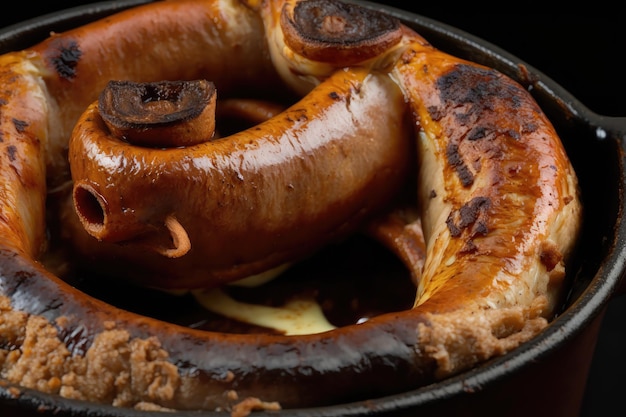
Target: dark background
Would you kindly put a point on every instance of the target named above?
(582, 50)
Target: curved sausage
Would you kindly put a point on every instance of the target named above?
(220, 41)
(251, 201)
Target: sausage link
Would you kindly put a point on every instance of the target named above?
(249, 202)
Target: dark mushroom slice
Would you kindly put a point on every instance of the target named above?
(337, 32)
(160, 114)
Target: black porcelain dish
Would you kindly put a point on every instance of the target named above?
(544, 377)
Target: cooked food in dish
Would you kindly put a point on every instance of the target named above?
(375, 138)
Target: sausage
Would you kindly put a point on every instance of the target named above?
(179, 42)
(499, 213)
(499, 203)
(24, 122)
(251, 201)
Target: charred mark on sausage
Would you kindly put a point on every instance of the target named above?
(529, 127)
(12, 152)
(20, 125)
(477, 133)
(469, 216)
(454, 159)
(476, 86)
(471, 92)
(66, 59)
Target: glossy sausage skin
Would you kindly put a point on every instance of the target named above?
(499, 203)
(500, 215)
(24, 115)
(180, 40)
(251, 201)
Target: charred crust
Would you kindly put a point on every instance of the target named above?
(131, 104)
(331, 21)
(456, 161)
(159, 114)
(408, 56)
(20, 125)
(469, 247)
(455, 231)
(470, 216)
(550, 255)
(470, 212)
(529, 127)
(476, 133)
(12, 152)
(66, 58)
(473, 96)
(480, 88)
(514, 134)
(334, 31)
(435, 113)
(297, 116)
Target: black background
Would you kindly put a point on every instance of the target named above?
(581, 49)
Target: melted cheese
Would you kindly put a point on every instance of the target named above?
(297, 317)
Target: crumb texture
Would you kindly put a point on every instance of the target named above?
(461, 339)
(116, 369)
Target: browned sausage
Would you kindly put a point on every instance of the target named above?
(500, 212)
(252, 201)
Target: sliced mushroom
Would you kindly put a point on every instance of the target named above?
(331, 31)
(160, 114)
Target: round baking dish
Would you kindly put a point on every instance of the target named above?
(520, 383)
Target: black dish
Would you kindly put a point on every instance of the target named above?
(530, 379)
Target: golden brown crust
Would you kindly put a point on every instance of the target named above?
(504, 189)
(24, 152)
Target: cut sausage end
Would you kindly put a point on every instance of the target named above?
(160, 114)
(331, 31)
(91, 209)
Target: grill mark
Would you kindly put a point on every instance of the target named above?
(66, 58)
(472, 217)
(20, 125)
(12, 152)
(456, 161)
(467, 93)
